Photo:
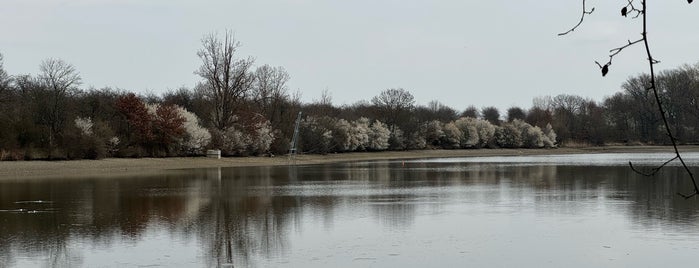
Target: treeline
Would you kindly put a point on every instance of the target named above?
(244, 109)
(47, 116)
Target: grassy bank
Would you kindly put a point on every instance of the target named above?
(129, 166)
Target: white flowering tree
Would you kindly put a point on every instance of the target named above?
(452, 136)
(342, 137)
(196, 137)
(508, 136)
(84, 124)
(550, 140)
(433, 132)
(520, 134)
(486, 133)
(469, 132)
(232, 141)
(260, 139)
(359, 135)
(378, 136)
(255, 139)
(532, 136)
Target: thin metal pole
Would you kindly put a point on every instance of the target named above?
(294, 140)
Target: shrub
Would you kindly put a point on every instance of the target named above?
(85, 139)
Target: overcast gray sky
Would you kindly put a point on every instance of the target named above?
(461, 53)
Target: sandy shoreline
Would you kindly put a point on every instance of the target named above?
(129, 166)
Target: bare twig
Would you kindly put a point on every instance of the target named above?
(584, 12)
(631, 9)
(615, 51)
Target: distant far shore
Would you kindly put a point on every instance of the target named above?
(10, 170)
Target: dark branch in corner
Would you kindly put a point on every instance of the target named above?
(654, 170)
(661, 109)
(584, 12)
(625, 11)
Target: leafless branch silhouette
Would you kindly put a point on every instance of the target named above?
(631, 9)
(584, 12)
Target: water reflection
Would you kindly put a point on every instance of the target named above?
(278, 216)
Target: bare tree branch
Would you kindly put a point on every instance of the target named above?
(584, 12)
(625, 11)
(614, 52)
(654, 170)
(661, 109)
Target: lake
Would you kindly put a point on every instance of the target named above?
(529, 211)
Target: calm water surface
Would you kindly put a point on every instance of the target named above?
(535, 211)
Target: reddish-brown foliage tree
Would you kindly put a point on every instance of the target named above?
(169, 125)
(137, 115)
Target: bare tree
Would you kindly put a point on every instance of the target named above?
(322, 106)
(491, 114)
(4, 78)
(631, 9)
(471, 112)
(5, 81)
(326, 98)
(227, 80)
(537, 116)
(269, 87)
(441, 112)
(393, 104)
(516, 113)
(272, 99)
(58, 81)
